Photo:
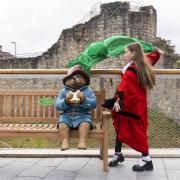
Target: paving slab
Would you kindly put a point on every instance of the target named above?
(26, 178)
(92, 170)
(173, 174)
(37, 171)
(58, 175)
(6, 161)
(54, 162)
(73, 164)
(172, 163)
(13, 169)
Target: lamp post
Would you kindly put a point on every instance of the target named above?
(14, 49)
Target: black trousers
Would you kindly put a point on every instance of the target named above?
(118, 147)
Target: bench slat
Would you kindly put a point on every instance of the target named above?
(27, 119)
(18, 106)
(4, 127)
(27, 92)
(35, 106)
(1, 105)
(29, 105)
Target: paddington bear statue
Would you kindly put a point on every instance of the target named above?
(74, 102)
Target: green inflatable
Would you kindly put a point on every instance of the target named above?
(110, 47)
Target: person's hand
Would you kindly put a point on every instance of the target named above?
(116, 106)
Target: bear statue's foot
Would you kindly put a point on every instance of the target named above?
(83, 134)
(64, 149)
(64, 133)
(82, 145)
(65, 145)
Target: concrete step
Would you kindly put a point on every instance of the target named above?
(21, 152)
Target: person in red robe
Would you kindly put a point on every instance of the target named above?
(129, 105)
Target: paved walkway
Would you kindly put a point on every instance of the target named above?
(77, 168)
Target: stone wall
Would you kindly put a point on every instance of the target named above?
(165, 97)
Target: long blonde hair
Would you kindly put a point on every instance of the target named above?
(145, 74)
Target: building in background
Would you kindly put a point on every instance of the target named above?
(5, 55)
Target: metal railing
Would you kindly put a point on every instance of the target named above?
(96, 10)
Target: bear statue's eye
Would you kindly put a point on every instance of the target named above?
(74, 76)
(69, 78)
(78, 75)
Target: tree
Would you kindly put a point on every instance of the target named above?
(165, 45)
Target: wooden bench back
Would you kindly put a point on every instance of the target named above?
(23, 107)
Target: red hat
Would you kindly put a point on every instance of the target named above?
(76, 70)
(153, 57)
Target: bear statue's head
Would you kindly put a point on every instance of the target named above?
(76, 78)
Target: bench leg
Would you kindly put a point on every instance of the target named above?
(106, 116)
(105, 155)
(101, 151)
(105, 146)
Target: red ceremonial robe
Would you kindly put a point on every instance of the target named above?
(131, 122)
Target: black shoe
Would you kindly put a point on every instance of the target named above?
(114, 162)
(146, 167)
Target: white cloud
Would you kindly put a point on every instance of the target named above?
(36, 24)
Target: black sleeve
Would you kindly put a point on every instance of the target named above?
(109, 103)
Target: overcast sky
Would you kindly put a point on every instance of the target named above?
(37, 24)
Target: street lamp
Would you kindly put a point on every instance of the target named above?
(14, 48)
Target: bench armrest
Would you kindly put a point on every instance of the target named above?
(106, 115)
